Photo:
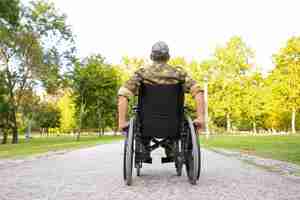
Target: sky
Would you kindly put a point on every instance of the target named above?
(191, 28)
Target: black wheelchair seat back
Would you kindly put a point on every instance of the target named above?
(160, 110)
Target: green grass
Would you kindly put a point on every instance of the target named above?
(54, 143)
(285, 148)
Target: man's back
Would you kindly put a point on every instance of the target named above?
(158, 73)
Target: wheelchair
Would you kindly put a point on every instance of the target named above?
(160, 116)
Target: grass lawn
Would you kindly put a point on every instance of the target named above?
(54, 143)
(286, 148)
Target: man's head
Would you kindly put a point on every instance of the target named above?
(160, 52)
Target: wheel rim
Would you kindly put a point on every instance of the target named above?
(124, 159)
(128, 154)
(199, 161)
(193, 162)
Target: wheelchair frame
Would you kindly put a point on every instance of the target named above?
(187, 150)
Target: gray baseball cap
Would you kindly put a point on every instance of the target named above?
(160, 47)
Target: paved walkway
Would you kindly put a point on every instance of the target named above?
(96, 174)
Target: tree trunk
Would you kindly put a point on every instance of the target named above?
(12, 102)
(293, 120)
(5, 135)
(28, 132)
(116, 124)
(78, 135)
(228, 125)
(99, 121)
(42, 132)
(15, 135)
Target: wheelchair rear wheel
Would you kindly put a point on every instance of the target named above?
(138, 171)
(193, 156)
(128, 154)
(178, 170)
(179, 158)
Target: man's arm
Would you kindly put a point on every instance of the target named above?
(199, 121)
(128, 90)
(122, 110)
(198, 94)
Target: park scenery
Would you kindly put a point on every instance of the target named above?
(59, 135)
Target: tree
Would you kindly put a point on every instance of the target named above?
(95, 85)
(4, 110)
(287, 62)
(225, 100)
(229, 63)
(274, 109)
(28, 107)
(252, 98)
(66, 107)
(35, 50)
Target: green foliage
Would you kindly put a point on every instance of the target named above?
(287, 63)
(286, 91)
(234, 57)
(29, 103)
(33, 52)
(45, 21)
(4, 106)
(37, 49)
(95, 85)
(252, 99)
(47, 116)
(9, 12)
(225, 71)
(66, 107)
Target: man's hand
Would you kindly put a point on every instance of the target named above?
(123, 125)
(199, 124)
(200, 104)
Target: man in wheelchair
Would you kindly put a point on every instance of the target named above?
(160, 114)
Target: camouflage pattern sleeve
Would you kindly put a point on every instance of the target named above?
(130, 88)
(190, 85)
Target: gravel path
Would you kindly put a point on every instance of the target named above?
(96, 173)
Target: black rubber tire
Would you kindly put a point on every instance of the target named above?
(199, 151)
(193, 160)
(128, 154)
(178, 171)
(178, 163)
(138, 171)
(124, 159)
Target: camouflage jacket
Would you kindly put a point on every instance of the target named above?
(159, 73)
